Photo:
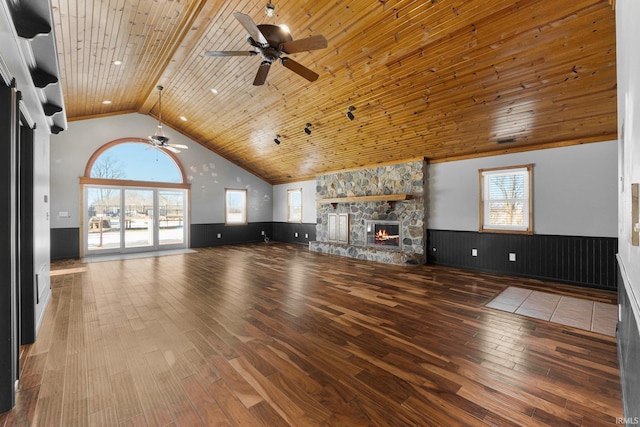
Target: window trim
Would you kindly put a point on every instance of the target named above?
(289, 216)
(242, 191)
(481, 181)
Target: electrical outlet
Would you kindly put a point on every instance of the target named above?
(295, 234)
(262, 233)
(512, 256)
(306, 235)
(474, 252)
(219, 236)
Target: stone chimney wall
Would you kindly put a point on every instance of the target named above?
(403, 178)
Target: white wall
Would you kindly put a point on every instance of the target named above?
(41, 220)
(575, 190)
(308, 201)
(208, 173)
(628, 63)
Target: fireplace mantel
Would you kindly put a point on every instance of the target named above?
(389, 198)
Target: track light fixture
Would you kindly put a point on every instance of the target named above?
(306, 129)
(277, 139)
(350, 115)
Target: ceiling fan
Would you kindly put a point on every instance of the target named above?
(158, 139)
(271, 42)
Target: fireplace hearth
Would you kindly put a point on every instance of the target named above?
(384, 234)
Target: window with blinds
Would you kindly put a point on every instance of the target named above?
(506, 199)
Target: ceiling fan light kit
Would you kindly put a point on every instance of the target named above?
(272, 42)
(270, 10)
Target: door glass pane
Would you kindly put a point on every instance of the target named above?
(138, 218)
(103, 211)
(171, 217)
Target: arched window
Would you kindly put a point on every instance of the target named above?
(134, 159)
(135, 198)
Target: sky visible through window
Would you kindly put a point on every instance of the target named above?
(138, 162)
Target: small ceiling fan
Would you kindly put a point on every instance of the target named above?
(158, 139)
(271, 42)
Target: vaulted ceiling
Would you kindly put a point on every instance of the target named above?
(437, 79)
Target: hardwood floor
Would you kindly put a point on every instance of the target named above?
(274, 335)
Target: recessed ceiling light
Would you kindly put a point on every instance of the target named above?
(183, 118)
(214, 91)
(106, 102)
(117, 62)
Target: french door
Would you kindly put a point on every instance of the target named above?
(131, 219)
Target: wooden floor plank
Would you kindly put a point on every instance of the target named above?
(273, 335)
(206, 406)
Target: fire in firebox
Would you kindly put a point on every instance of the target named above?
(384, 238)
(384, 233)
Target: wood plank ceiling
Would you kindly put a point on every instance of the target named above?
(440, 79)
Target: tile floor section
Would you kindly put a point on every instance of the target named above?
(580, 313)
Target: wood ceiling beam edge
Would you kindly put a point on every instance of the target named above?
(100, 115)
(556, 144)
(377, 165)
(195, 15)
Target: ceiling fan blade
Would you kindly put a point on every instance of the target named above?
(261, 75)
(300, 69)
(251, 27)
(231, 53)
(182, 146)
(302, 45)
(170, 148)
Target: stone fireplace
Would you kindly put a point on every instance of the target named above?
(388, 200)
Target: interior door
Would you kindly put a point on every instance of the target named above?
(9, 221)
